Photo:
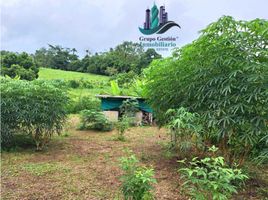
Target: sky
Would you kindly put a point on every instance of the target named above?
(98, 25)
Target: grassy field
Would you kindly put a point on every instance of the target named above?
(49, 74)
(46, 73)
(85, 165)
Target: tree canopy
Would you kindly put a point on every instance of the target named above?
(125, 57)
(15, 64)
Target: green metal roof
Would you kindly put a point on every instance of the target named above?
(114, 102)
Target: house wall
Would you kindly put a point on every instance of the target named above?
(138, 118)
(111, 115)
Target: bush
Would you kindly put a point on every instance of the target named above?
(122, 125)
(184, 128)
(136, 181)
(83, 103)
(222, 76)
(22, 65)
(95, 120)
(73, 83)
(125, 79)
(87, 84)
(129, 107)
(211, 178)
(36, 108)
(83, 83)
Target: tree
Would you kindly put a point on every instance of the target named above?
(146, 58)
(222, 76)
(124, 58)
(57, 57)
(15, 64)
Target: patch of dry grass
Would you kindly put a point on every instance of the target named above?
(84, 165)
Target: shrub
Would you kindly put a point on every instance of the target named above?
(74, 83)
(184, 128)
(36, 108)
(83, 103)
(136, 181)
(122, 125)
(87, 84)
(96, 120)
(222, 76)
(211, 178)
(129, 107)
(125, 79)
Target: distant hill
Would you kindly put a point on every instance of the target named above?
(47, 73)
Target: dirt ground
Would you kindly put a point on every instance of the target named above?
(84, 165)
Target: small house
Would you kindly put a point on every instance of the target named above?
(110, 105)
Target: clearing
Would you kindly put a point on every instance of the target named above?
(53, 74)
(84, 165)
(47, 73)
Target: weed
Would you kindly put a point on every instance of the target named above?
(41, 169)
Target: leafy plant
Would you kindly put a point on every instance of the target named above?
(36, 108)
(83, 103)
(115, 89)
(125, 79)
(184, 128)
(222, 76)
(136, 181)
(129, 107)
(122, 125)
(210, 178)
(74, 83)
(91, 119)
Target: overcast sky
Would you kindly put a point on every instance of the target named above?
(97, 25)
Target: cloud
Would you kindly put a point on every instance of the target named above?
(98, 25)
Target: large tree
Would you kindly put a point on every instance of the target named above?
(57, 57)
(18, 64)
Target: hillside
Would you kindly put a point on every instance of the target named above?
(47, 73)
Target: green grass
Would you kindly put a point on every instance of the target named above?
(40, 169)
(47, 73)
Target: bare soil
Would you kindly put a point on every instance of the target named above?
(85, 165)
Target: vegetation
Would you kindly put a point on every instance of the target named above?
(222, 76)
(88, 161)
(211, 178)
(57, 57)
(91, 119)
(47, 74)
(83, 103)
(129, 107)
(122, 125)
(44, 168)
(21, 65)
(125, 57)
(125, 79)
(184, 129)
(36, 108)
(212, 92)
(137, 181)
(81, 87)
